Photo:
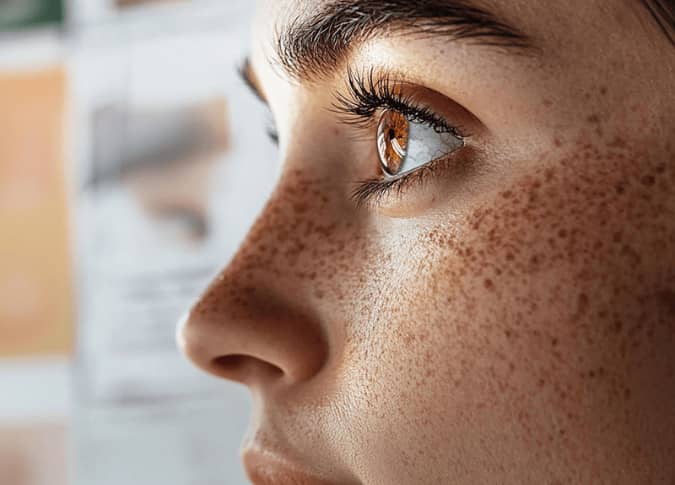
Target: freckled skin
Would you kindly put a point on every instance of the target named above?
(523, 333)
(575, 325)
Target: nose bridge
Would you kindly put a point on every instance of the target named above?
(291, 228)
(259, 315)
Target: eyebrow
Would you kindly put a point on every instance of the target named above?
(314, 46)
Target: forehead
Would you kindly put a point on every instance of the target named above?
(563, 34)
(282, 12)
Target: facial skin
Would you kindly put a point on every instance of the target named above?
(511, 318)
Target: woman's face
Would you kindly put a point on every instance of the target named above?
(466, 271)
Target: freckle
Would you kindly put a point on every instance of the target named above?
(631, 254)
(648, 180)
(594, 118)
(603, 90)
(617, 143)
(549, 174)
(582, 304)
(667, 302)
(562, 233)
(507, 194)
(554, 342)
(557, 142)
(547, 102)
(300, 207)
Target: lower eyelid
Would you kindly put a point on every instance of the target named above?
(374, 191)
(389, 194)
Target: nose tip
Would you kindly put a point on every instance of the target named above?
(261, 319)
(250, 339)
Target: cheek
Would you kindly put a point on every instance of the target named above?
(535, 327)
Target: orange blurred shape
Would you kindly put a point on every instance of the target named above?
(36, 298)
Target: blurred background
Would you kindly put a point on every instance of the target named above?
(132, 162)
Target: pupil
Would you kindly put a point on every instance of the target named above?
(392, 133)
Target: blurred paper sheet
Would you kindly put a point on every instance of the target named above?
(165, 194)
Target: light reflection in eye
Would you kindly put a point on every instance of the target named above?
(392, 141)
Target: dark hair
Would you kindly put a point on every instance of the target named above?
(663, 12)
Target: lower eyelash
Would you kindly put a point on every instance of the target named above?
(372, 191)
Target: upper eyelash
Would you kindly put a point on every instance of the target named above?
(272, 132)
(368, 94)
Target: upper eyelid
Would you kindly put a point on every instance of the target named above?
(366, 93)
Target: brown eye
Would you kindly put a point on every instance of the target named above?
(392, 141)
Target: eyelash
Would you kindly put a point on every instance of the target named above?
(271, 131)
(368, 94)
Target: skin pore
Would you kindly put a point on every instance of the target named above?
(507, 318)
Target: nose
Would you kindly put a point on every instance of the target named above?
(257, 322)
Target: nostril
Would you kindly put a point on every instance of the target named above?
(230, 363)
(240, 367)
